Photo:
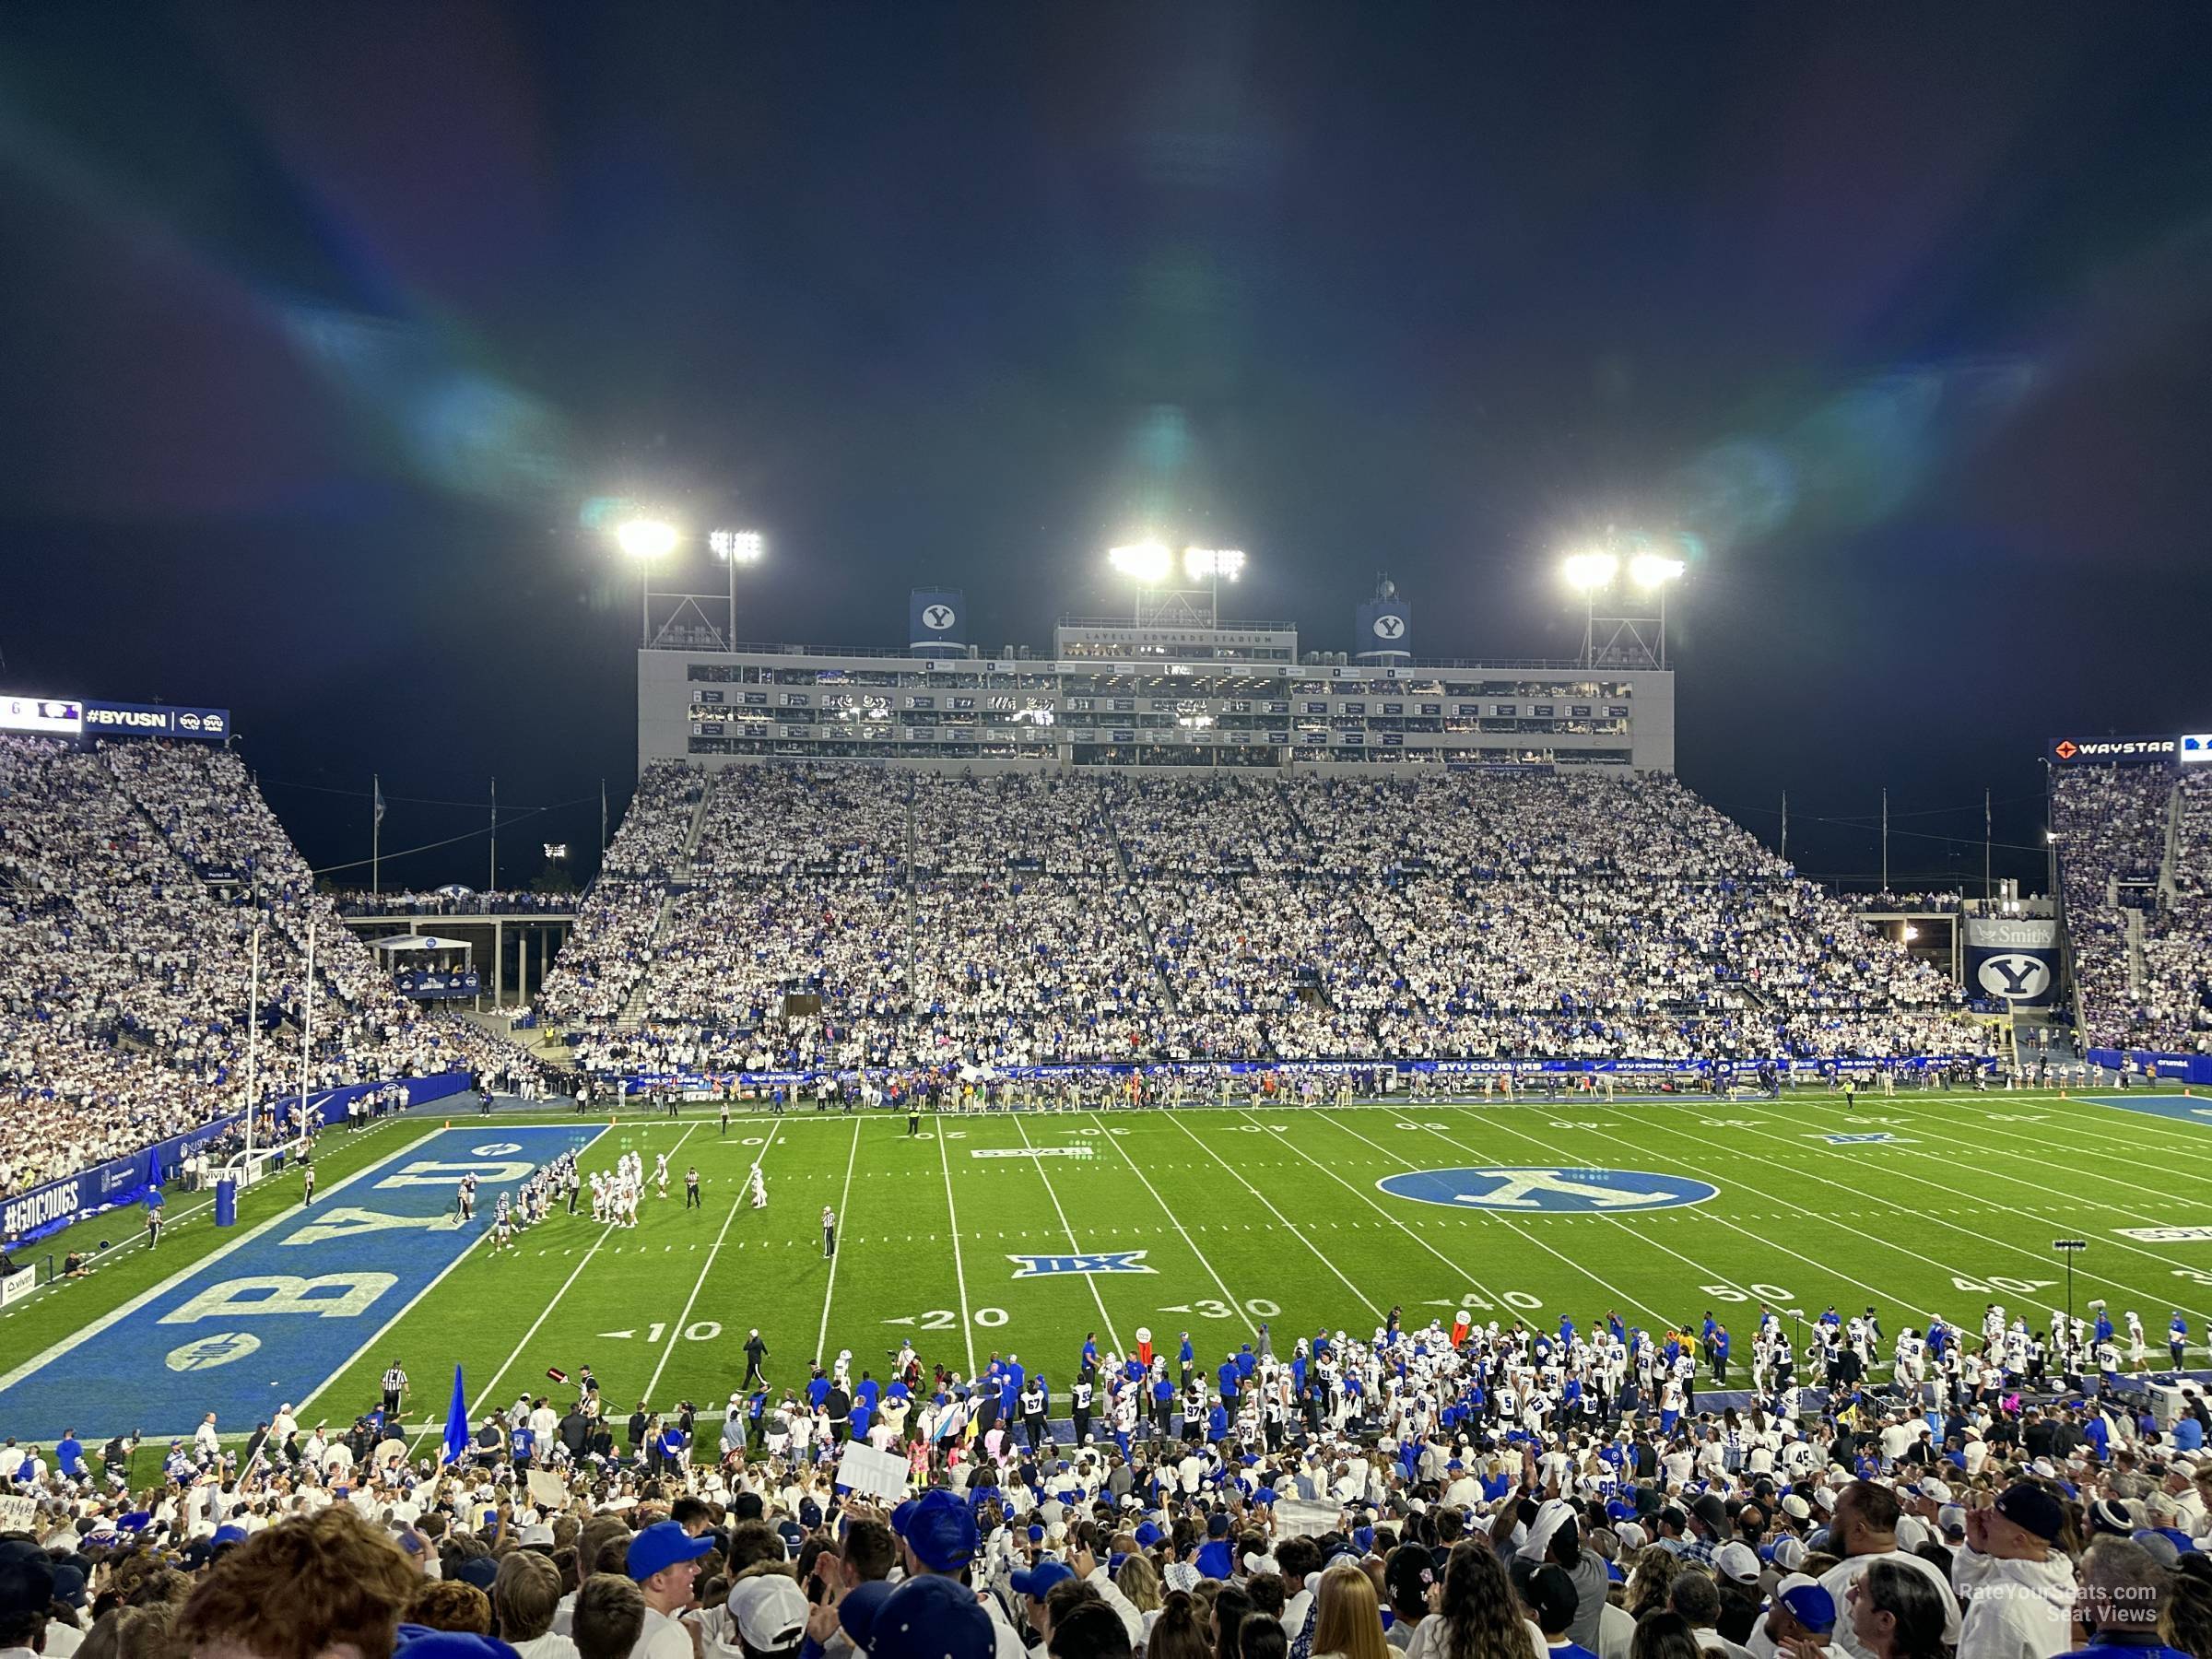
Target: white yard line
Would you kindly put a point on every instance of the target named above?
(1712, 1274)
(2125, 1150)
(1099, 1302)
(508, 1364)
(1177, 1222)
(822, 1335)
(77, 1339)
(959, 1274)
(1803, 1171)
(1296, 1231)
(676, 1330)
(411, 1303)
(2040, 1185)
(1496, 1301)
(1935, 1130)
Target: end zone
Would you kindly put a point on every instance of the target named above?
(2186, 1108)
(274, 1314)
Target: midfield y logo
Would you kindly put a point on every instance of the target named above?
(1548, 1190)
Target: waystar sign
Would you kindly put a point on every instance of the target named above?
(2107, 752)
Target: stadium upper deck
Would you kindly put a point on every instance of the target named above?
(1127, 696)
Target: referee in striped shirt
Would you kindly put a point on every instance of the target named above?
(395, 1386)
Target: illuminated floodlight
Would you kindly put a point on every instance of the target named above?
(1202, 563)
(738, 546)
(1587, 572)
(1650, 570)
(557, 849)
(645, 538)
(1145, 562)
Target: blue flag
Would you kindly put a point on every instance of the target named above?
(153, 1172)
(456, 1424)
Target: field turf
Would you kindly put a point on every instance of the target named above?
(1024, 1233)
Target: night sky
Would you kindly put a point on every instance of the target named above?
(321, 324)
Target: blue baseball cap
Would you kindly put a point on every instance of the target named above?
(663, 1545)
(419, 1642)
(479, 1570)
(856, 1611)
(941, 1531)
(1811, 1605)
(1147, 1534)
(931, 1618)
(1039, 1580)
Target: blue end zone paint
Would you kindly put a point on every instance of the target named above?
(270, 1316)
(2188, 1109)
(1548, 1190)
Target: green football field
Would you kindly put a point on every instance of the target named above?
(1024, 1233)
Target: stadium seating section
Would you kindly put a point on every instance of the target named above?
(131, 881)
(1028, 918)
(2135, 847)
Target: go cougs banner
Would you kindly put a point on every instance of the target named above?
(2012, 960)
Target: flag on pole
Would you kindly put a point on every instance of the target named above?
(377, 785)
(456, 1424)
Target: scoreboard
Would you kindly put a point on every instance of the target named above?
(43, 716)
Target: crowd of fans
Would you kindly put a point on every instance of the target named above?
(857, 917)
(132, 881)
(1470, 1493)
(2134, 850)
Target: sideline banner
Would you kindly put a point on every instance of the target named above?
(707, 1085)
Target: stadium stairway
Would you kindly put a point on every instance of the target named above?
(633, 1005)
(1137, 911)
(542, 1042)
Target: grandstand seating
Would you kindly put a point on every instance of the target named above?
(1194, 918)
(2136, 870)
(2134, 848)
(125, 967)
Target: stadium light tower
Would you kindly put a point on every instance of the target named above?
(1149, 564)
(1654, 573)
(1213, 566)
(1146, 563)
(1635, 641)
(645, 539)
(735, 548)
